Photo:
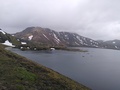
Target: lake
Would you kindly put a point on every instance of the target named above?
(99, 69)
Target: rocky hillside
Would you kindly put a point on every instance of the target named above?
(19, 73)
(45, 36)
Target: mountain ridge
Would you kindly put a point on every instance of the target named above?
(53, 38)
(45, 38)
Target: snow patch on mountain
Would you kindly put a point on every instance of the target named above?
(84, 38)
(8, 43)
(76, 43)
(78, 38)
(45, 36)
(18, 39)
(2, 32)
(96, 43)
(23, 43)
(91, 40)
(30, 37)
(116, 47)
(66, 37)
(113, 42)
(56, 38)
(81, 41)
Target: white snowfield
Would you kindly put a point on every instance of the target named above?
(7, 43)
(114, 42)
(30, 37)
(23, 43)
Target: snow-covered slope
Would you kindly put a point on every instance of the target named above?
(8, 39)
(7, 43)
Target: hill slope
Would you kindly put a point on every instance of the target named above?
(50, 37)
(18, 73)
(8, 39)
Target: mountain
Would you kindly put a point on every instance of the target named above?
(45, 36)
(8, 39)
(110, 44)
(19, 73)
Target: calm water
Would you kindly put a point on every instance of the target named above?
(98, 69)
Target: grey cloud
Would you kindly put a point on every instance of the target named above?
(90, 18)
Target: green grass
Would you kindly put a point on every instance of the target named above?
(19, 73)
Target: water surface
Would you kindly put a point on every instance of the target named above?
(98, 69)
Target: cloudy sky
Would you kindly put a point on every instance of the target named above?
(96, 19)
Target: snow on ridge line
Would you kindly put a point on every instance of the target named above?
(2, 32)
(8, 43)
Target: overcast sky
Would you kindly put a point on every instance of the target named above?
(96, 19)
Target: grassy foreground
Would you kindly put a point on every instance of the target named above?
(19, 73)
